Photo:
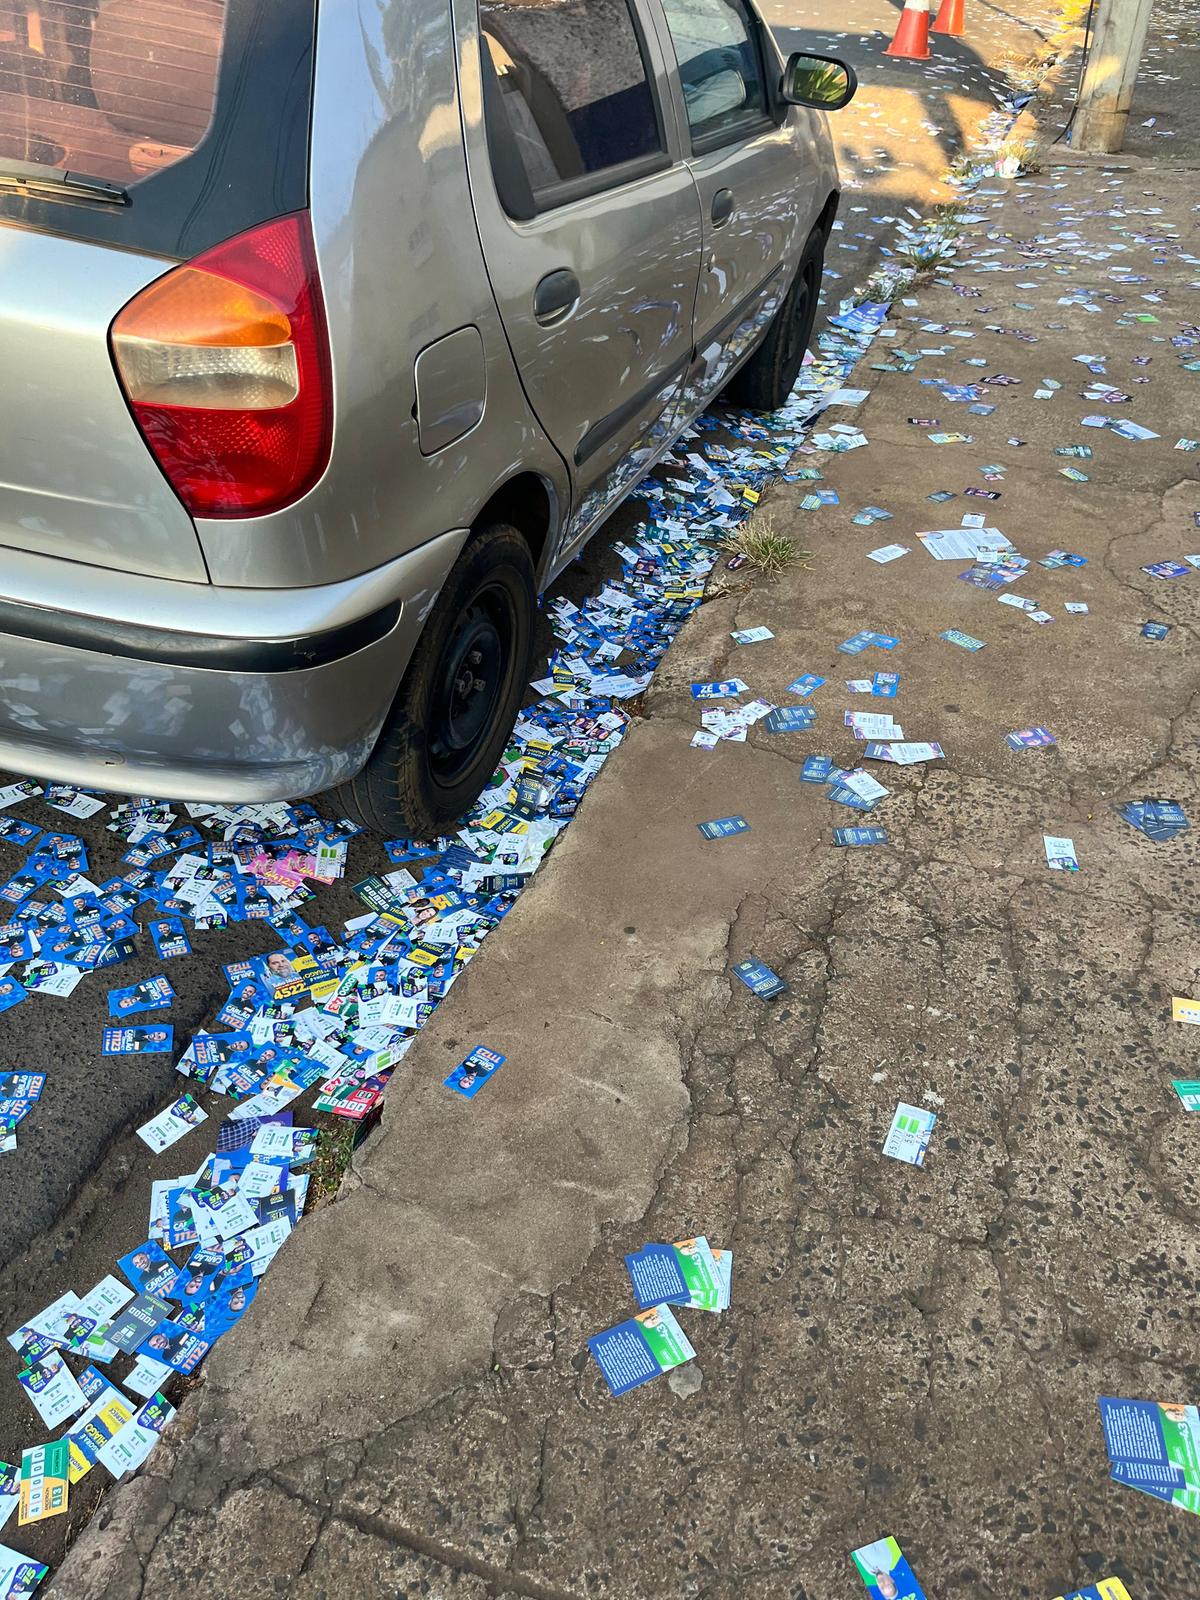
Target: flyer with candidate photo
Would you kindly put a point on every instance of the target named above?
(886, 1573)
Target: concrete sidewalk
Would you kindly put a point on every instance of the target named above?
(410, 1408)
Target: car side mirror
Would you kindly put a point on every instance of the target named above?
(822, 82)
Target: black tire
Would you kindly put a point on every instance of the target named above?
(769, 377)
(458, 701)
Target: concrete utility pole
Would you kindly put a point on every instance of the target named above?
(1112, 66)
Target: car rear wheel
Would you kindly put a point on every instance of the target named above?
(768, 378)
(455, 709)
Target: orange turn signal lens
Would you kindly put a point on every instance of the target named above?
(193, 307)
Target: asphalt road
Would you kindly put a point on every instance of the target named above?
(75, 1192)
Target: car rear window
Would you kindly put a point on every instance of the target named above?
(196, 109)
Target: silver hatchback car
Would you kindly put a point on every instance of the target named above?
(331, 334)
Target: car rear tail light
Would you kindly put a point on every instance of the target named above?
(225, 364)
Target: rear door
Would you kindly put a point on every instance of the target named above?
(590, 225)
(133, 134)
(756, 194)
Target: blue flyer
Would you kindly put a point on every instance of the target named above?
(177, 1346)
(635, 1351)
(152, 994)
(138, 1041)
(151, 1271)
(723, 827)
(656, 1276)
(886, 1573)
(816, 769)
(12, 992)
(22, 1085)
(1155, 630)
(169, 938)
(759, 978)
(805, 685)
(789, 719)
(859, 836)
(1154, 1447)
(856, 643)
(470, 1075)
(721, 689)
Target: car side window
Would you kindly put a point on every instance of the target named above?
(574, 94)
(719, 67)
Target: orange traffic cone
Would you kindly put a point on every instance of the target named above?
(912, 34)
(950, 18)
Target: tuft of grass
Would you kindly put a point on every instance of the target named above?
(764, 545)
(962, 169)
(1023, 151)
(335, 1146)
(947, 216)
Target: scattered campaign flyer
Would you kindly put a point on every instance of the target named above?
(1184, 1010)
(1154, 1447)
(855, 838)
(1159, 820)
(152, 994)
(719, 689)
(145, 1376)
(147, 1041)
(789, 719)
(723, 827)
(51, 1388)
(681, 1274)
(640, 1349)
(1188, 1090)
(45, 1485)
(963, 640)
(133, 1442)
(134, 1323)
(908, 1137)
(169, 938)
(150, 1270)
(886, 1573)
(275, 1141)
(1060, 853)
(887, 552)
(106, 1414)
(179, 1118)
(1106, 1589)
(805, 685)
(10, 1493)
(470, 1075)
(865, 786)
(760, 979)
(19, 1575)
(1030, 739)
(180, 1347)
(751, 635)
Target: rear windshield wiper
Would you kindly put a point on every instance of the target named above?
(52, 183)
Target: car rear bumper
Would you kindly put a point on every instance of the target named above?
(193, 692)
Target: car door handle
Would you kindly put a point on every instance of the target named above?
(556, 295)
(722, 207)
